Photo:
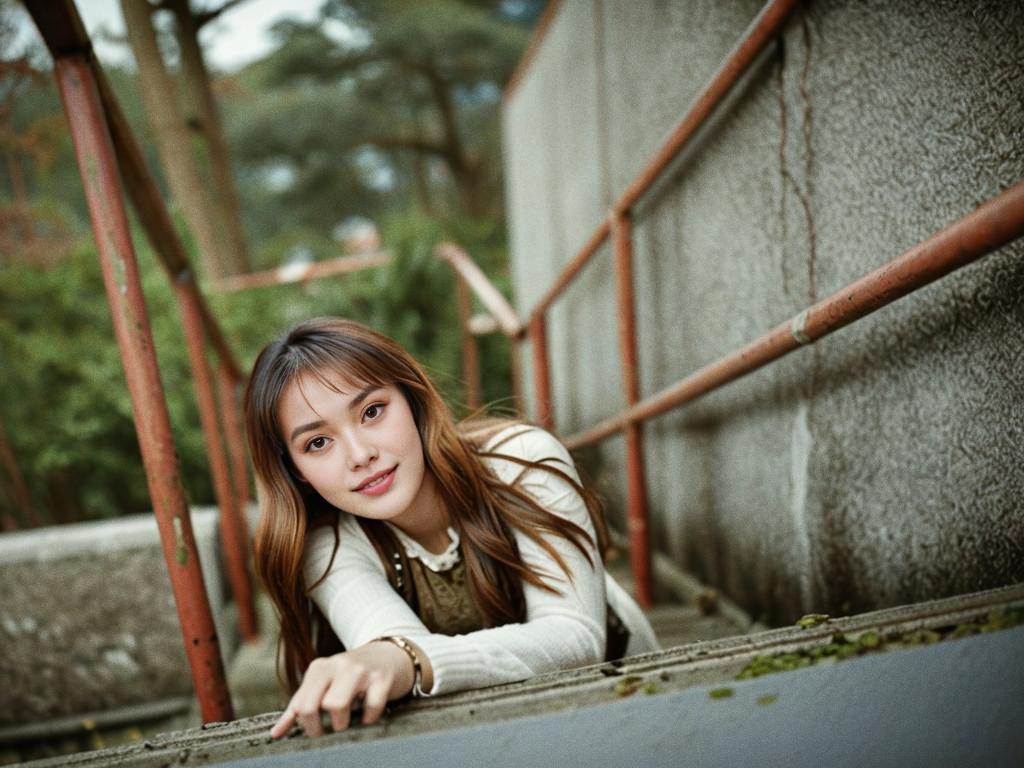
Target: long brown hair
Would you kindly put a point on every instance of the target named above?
(483, 509)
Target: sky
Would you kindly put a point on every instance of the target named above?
(237, 37)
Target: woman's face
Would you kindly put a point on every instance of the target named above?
(358, 447)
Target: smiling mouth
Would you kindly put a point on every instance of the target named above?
(378, 482)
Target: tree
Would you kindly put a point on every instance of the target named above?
(409, 96)
(204, 191)
(31, 133)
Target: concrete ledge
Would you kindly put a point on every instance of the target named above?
(683, 669)
(88, 621)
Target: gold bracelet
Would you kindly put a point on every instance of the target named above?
(417, 670)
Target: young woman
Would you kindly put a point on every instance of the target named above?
(406, 554)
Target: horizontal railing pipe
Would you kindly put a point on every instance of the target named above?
(986, 229)
(761, 31)
(573, 268)
(488, 295)
(302, 273)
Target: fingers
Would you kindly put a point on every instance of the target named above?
(333, 685)
(376, 697)
(339, 697)
(304, 707)
(283, 724)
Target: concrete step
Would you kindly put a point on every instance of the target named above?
(954, 702)
(689, 611)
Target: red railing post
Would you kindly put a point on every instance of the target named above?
(516, 372)
(98, 167)
(232, 524)
(470, 357)
(639, 540)
(541, 373)
(231, 421)
(19, 488)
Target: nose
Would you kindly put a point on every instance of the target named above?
(360, 452)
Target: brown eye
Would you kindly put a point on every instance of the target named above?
(316, 444)
(372, 412)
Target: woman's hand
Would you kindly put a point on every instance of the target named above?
(375, 673)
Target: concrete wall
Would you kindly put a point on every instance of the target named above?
(884, 464)
(88, 622)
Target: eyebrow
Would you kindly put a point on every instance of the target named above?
(364, 393)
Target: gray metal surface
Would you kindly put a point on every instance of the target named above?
(952, 704)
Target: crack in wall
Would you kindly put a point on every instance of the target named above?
(805, 192)
(801, 448)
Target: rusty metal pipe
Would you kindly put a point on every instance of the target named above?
(232, 525)
(302, 273)
(98, 167)
(516, 372)
(541, 374)
(231, 421)
(470, 358)
(636, 488)
(156, 222)
(984, 230)
(20, 494)
(762, 29)
(492, 299)
(569, 272)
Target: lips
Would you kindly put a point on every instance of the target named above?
(378, 483)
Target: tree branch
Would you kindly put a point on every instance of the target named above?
(213, 13)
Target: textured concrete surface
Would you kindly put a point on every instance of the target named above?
(88, 621)
(923, 703)
(883, 464)
(969, 717)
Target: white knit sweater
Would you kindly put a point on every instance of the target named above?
(561, 630)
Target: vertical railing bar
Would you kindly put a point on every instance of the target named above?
(231, 422)
(541, 372)
(639, 541)
(98, 167)
(21, 496)
(516, 372)
(232, 525)
(470, 357)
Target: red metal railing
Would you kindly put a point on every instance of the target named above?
(762, 31)
(98, 167)
(101, 138)
(471, 279)
(995, 223)
(301, 273)
(986, 229)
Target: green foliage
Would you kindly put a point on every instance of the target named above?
(64, 401)
(398, 125)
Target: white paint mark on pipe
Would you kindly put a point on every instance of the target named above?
(798, 328)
